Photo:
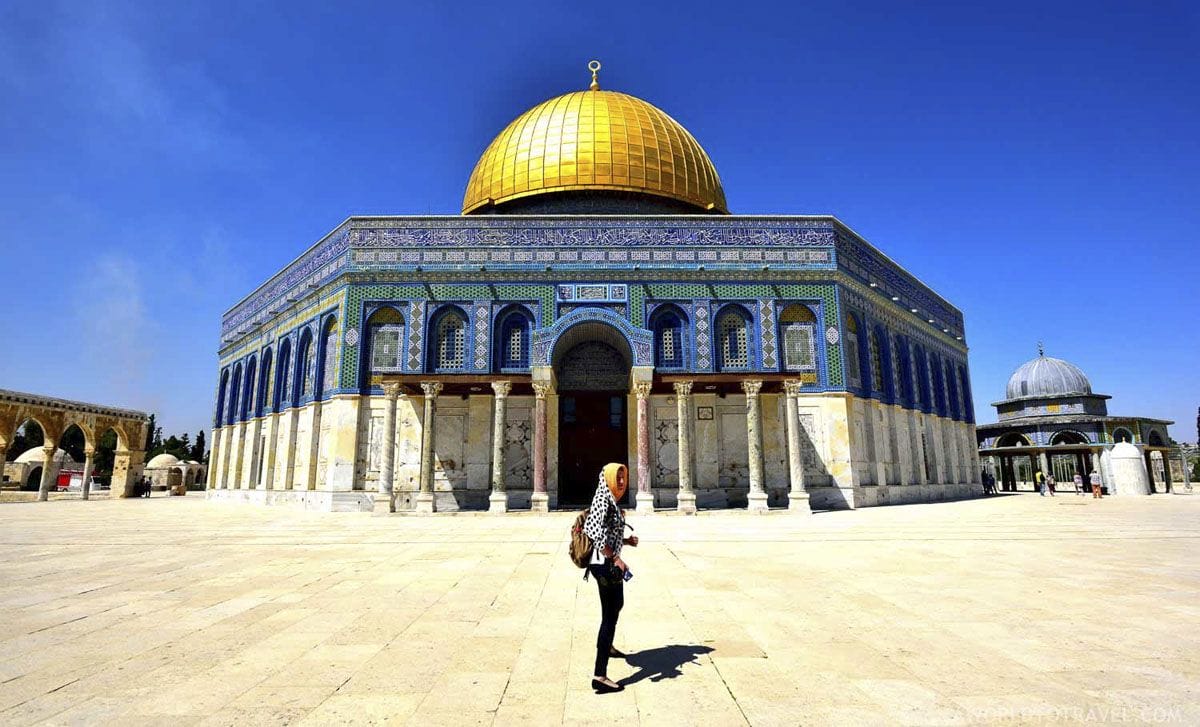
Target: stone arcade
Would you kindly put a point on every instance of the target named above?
(56, 416)
(595, 302)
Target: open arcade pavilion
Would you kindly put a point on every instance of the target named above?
(595, 301)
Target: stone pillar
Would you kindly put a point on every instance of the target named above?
(126, 468)
(757, 498)
(797, 494)
(314, 446)
(252, 463)
(1044, 462)
(498, 500)
(270, 451)
(89, 461)
(385, 500)
(683, 407)
(540, 500)
(424, 501)
(47, 473)
(4, 453)
(1095, 466)
(645, 498)
(289, 455)
(214, 455)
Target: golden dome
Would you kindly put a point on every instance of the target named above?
(594, 140)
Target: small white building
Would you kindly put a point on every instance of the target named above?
(168, 472)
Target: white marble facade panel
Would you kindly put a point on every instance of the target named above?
(664, 444)
(733, 473)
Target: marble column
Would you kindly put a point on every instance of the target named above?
(385, 500)
(683, 408)
(540, 500)
(89, 461)
(214, 461)
(645, 497)
(424, 501)
(797, 494)
(498, 500)
(47, 473)
(1044, 462)
(756, 500)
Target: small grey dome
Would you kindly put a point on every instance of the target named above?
(1047, 377)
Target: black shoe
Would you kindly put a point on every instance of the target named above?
(614, 651)
(604, 688)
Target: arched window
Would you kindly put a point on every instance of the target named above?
(222, 392)
(285, 376)
(900, 382)
(248, 397)
(921, 375)
(1122, 434)
(797, 331)
(733, 338)
(449, 351)
(876, 363)
(939, 388)
(668, 327)
(264, 384)
(853, 367)
(512, 345)
(328, 356)
(952, 390)
(304, 367)
(968, 401)
(234, 395)
(385, 336)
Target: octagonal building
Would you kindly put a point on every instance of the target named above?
(595, 294)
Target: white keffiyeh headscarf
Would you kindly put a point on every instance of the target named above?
(604, 524)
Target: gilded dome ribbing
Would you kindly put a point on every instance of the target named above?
(594, 140)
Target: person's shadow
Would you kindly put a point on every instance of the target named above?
(662, 663)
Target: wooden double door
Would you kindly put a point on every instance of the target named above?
(592, 431)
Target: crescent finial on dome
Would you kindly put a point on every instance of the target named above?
(594, 67)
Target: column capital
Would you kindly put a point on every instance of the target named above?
(752, 386)
(89, 451)
(683, 388)
(791, 387)
(431, 388)
(501, 388)
(642, 388)
(391, 390)
(49, 449)
(540, 389)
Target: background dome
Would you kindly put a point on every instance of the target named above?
(162, 460)
(595, 141)
(35, 455)
(1047, 377)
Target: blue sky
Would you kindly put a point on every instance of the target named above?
(1036, 164)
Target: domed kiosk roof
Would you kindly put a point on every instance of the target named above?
(595, 141)
(34, 455)
(1047, 377)
(162, 460)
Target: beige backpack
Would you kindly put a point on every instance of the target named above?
(581, 545)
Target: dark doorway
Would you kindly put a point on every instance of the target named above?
(593, 382)
(34, 481)
(591, 433)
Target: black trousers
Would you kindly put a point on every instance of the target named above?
(612, 597)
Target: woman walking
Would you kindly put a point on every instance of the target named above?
(605, 525)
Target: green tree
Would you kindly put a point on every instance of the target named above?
(198, 452)
(73, 443)
(151, 426)
(27, 437)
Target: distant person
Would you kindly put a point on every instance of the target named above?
(605, 525)
(1050, 483)
(1078, 480)
(1096, 485)
(1040, 480)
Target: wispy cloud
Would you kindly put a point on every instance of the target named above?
(117, 334)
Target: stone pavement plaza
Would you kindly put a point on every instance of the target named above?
(1018, 608)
